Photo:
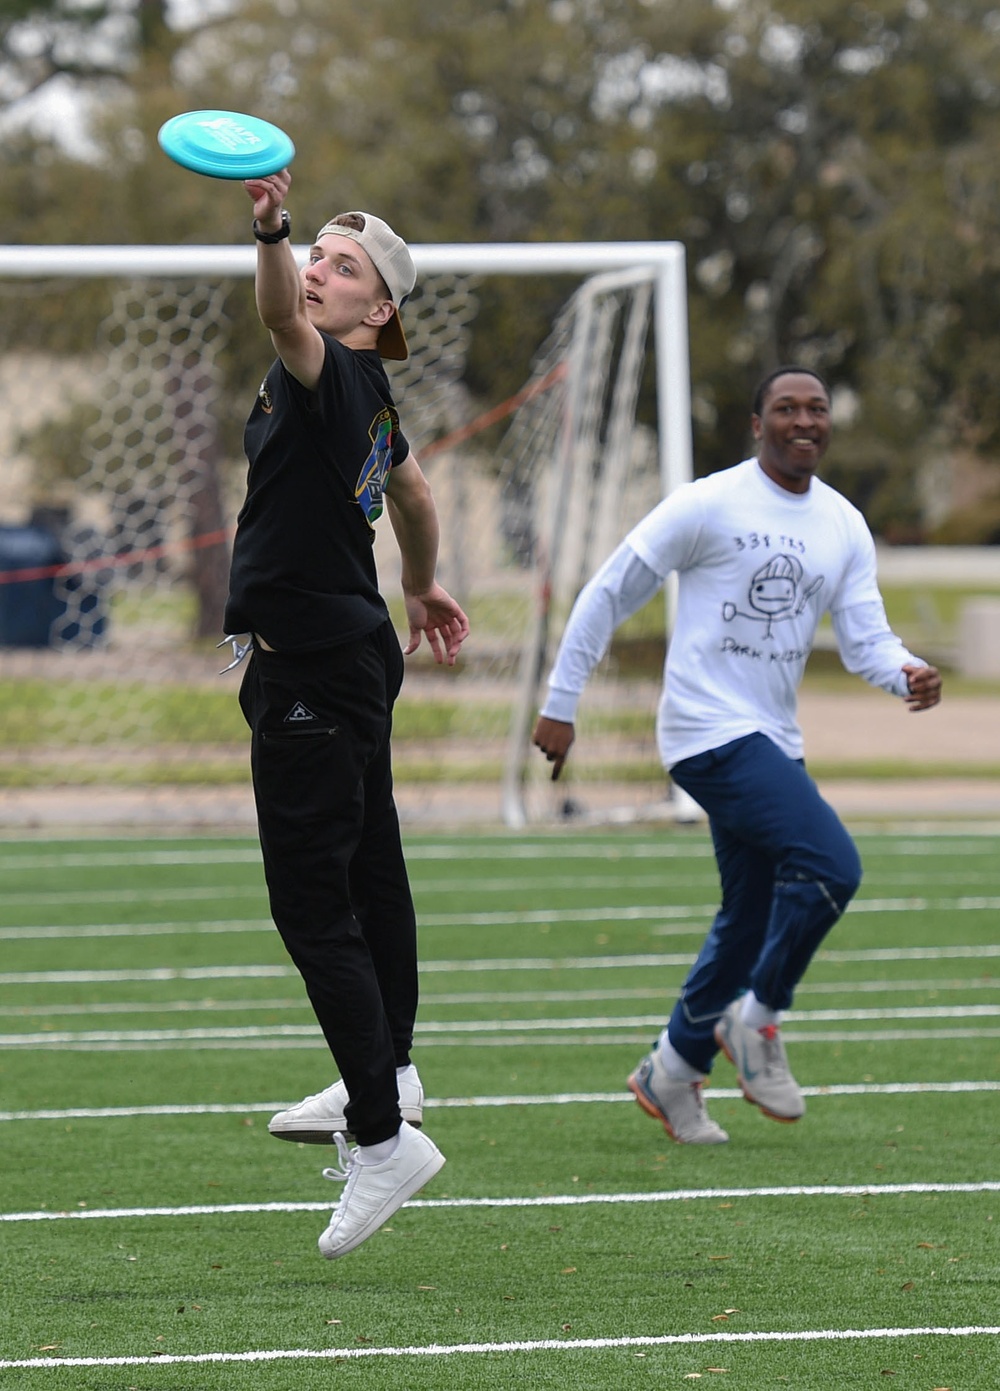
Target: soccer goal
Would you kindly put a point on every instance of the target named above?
(119, 494)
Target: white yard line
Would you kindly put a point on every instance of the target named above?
(698, 913)
(963, 841)
(673, 1195)
(430, 1000)
(62, 932)
(336, 1354)
(428, 1029)
(646, 960)
(635, 1038)
(476, 848)
(487, 1102)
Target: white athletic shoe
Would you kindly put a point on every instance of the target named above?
(373, 1192)
(317, 1119)
(678, 1106)
(761, 1066)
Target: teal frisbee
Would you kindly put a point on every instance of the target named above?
(225, 144)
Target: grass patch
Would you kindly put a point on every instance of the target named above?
(150, 1023)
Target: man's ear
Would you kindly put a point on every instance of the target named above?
(756, 426)
(381, 314)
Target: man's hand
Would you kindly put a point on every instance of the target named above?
(554, 738)
(436, 614)
(925, 687)
(269, 196)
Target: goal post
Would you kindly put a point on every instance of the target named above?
(151, 505)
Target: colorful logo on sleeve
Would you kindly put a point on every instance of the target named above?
(371, 482)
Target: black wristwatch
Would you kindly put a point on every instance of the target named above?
(285, 230)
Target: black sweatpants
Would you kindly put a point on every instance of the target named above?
(333, 859)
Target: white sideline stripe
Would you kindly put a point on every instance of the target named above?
(614, 912)
(705, 911)
(464, 967)
(477, 1026)
(534, 1345)
(675, 1195)
(476, 997)
(480, 1102)
(165, 929)
(153, 973)
(964, 903)
(705, 880)
(885, 987)
(679, 916)
(169, 1007)
(241, 1033)
(825, 1016)
(107, 859)
(311, 1031)
(682, 926)
(970, 840)
(634, 1039)
(987, 951)
(478, 849)
(967, 841)
(144, 895)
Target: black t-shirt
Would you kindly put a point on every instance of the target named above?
(303, 572)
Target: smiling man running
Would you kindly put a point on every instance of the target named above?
(762, 551)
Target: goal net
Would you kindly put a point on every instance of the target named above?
(120, 484)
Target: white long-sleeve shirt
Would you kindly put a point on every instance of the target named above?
(757, 568)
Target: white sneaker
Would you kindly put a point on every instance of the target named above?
(373, 1192)
(678, 1106)
(761, 1066)
(317, 1119)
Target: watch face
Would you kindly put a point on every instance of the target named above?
(226, 144)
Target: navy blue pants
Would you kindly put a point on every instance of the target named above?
(788, 870)
(329, 834)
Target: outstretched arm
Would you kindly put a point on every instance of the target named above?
(429, 609)
(281, 298)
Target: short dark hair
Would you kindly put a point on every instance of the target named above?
(760, 394)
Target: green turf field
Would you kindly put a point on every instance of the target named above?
(156, 1238)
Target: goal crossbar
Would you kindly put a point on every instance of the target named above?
(664, 260)
(472, 258)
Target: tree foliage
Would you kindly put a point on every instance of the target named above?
(828, 167)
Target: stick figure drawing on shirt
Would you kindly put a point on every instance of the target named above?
(774, 593)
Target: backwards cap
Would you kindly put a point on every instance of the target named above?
(391, 258)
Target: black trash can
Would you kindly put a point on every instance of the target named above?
(27, 605)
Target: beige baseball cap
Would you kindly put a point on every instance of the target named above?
(391, 258)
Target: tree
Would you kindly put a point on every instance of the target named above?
(829, 169)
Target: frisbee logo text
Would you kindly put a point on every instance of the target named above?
(231, 135)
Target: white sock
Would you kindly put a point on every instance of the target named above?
(755, 1015)
(385, 1149)
(676, 1067)
(377, 1154)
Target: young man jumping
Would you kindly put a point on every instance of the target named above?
(326, 452)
